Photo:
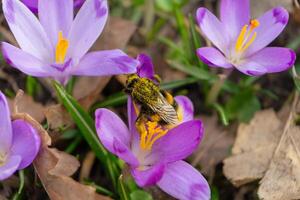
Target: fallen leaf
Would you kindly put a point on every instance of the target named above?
(268, 149)
(215, 146)
(55, 167)
(26, 104)
(282, 180)
(2, 197)
(112, 37)
(57, 117)
(253, 148)
(87, 90)
(87, 165)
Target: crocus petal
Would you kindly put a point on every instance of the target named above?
(186, 107)
(25, 62)
(213, 57)
(114, 135)
(32, 5)
(184, 182)
(178, 143)
(78, 3)
(132, 116)
(26, 142)
(213, 29)
(268, 60)
(56, 16)
(234, 15)
(10, 167)
(5, 126)
(149, 176)
(102, 63)
(145, 68)
(27, 30)
(87, 26)
(271, 25)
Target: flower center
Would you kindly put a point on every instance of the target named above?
(246, 36)
(152, 133)
(61, 48)
(153, 130)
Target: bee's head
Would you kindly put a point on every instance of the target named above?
(132, 79)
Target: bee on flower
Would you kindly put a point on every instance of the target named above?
(155, 154)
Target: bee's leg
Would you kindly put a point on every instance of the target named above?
(157, 78)
(170, 99)
(140, 123)
(155, 118)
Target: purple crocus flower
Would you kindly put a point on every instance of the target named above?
(241, 43)
(33, 4)
(156, 156)
(19, 142)
(56, 46)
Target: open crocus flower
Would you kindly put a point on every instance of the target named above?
(56, 46)
(19, 142)
(33, 4)
(155, 157)
(241, 42)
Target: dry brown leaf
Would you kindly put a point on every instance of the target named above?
(54, 169)
(267, 148)
(215, 146)
(87, 165)
(282, 180)
(57, 117)
(26, 104)
(116, 34)
(87, 90)
(253, 148)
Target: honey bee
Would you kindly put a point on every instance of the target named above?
(155, 104)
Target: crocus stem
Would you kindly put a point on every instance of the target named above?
(216, 88)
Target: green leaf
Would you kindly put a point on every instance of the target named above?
(123, 191)
(214, 193)
(140, 194)
(18, 195)
(193, 71)
(221, 113)
(194, 34)
(243, 105)
(99, 188)
(31, 85)
(86, 126)
(195, 42)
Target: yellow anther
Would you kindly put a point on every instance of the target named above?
(61, 48)
(180, 114)
(254, 23)
(246, 36)
(241, 38)
(153, 132)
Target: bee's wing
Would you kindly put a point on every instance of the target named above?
(165, 110)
